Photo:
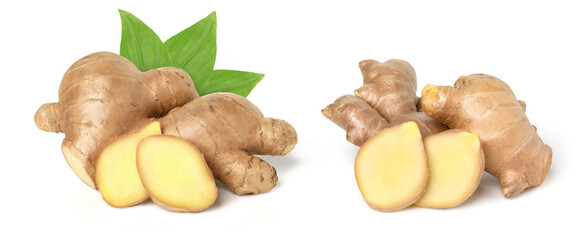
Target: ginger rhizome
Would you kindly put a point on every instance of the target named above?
(455, 163)
(229, 129)
(174, 174)
(117, 177)
(391, 168)
(486, 106)
(103, 96)
(387, 98)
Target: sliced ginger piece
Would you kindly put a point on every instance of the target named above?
(391, 168)
(175, 174)
(456, 162)
(117, 178)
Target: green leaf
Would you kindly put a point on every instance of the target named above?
(141, 45)
(238, 82)
(194, 50)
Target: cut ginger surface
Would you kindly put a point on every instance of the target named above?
(117, 178)
(391, 168)
(175, 174)
(455, 162)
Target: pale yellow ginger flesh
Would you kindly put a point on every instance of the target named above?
(175, 174)
(455, 162)
(391, 168)
(117, 177)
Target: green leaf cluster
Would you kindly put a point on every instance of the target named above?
(193, 50)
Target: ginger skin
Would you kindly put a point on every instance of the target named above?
(486, 106)
(103, 96)
(228, 130)
(387, 98)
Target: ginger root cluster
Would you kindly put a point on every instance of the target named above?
(481, 105)
(103, 96)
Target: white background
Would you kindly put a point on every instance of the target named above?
(309, 52)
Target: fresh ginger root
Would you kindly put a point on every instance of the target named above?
(486, 106)
(387, 98)
(103, 96)
(228, 130)
(455, 162)
(175, 174)
(391, 168)
(117, 177)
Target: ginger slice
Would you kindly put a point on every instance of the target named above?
(456, 162)
(391, 168)
(175, 174)
(117, 178)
